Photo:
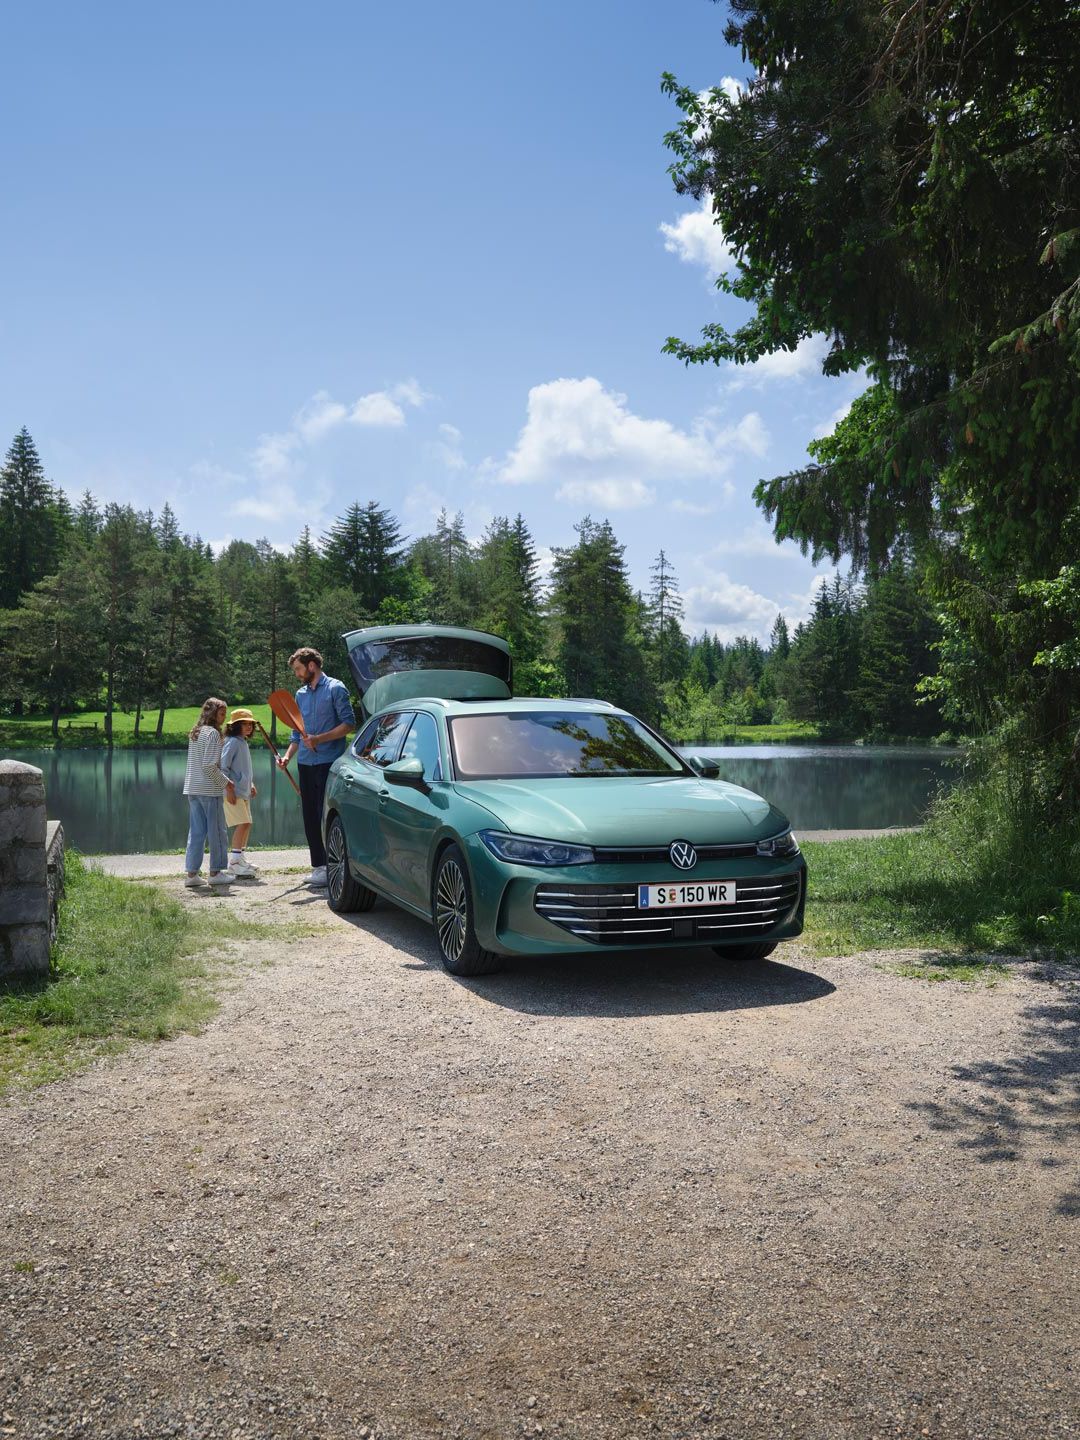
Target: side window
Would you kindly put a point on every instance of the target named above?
(422, 743)
(361, 742)
(381, 746)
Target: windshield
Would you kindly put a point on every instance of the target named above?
(531, 744)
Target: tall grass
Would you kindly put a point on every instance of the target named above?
(996, 868)
(125, 967)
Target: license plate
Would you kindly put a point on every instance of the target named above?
(686, 893)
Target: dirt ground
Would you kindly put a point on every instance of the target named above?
(594, 1198)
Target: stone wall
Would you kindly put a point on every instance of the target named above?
(24, 872)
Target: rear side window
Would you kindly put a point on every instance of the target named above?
(362, 740)
(382, 739)
(422, 743)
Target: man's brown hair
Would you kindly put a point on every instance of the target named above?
(306, 656)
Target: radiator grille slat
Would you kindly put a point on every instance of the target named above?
(609, 914)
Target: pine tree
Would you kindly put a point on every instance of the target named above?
(668, 645)
(32, 521)
(593, 609)
(509, 595)
(87, 521)
(363, 550)
(168, 531)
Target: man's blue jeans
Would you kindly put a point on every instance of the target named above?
(207, 823)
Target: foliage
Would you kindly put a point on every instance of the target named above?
(139, 619)
(984, 874)
(902, 180)
(123, 968)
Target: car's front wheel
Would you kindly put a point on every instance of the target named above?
(452, 912)
(755, 950)
(345, 895)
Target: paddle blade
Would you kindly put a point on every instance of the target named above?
(286, 709)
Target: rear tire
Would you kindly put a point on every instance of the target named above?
(452, 914)
(344, 894)
(752, 951)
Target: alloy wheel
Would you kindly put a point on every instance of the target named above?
(335, 861)
(451, 910)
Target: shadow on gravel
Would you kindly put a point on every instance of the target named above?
(1027, 1106)
(611, 984)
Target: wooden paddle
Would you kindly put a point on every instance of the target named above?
(274, 749)
(286, 709)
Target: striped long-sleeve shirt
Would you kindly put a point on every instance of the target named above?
(203, 775)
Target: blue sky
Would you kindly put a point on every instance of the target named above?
(261, 260)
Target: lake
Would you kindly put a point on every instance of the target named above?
(131, 801)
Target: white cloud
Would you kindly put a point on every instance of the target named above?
(697, 239)
(319, 415)
(276, 452)
(448, 447)
(728, 608)
(756, 540)
(806, 359)
(691, 507)
(615, 494)
(584, 441)
(377, 409)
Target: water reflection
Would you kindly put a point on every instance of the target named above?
(838, 787)
(131, 800)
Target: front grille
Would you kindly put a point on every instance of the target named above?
(660, 854)
(609, 914)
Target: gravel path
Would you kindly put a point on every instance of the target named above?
(144, 867)
(604, 1198)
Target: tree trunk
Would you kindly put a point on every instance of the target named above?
(56, 719)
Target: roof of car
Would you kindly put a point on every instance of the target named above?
(500, 707)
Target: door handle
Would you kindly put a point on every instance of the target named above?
(384, 795)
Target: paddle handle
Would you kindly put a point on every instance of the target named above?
(273, 747)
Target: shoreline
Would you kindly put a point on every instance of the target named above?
(163, 864)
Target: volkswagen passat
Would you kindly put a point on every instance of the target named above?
(535, 827)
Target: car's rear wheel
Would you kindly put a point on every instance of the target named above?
(344, 894)
(452, 912)
(755, 950)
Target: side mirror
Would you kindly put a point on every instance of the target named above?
(705, 766)
(407, 772)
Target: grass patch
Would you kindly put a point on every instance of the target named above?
(34, 732)
(127, 966)
(939, 889)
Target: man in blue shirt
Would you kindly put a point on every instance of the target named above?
(328, 717)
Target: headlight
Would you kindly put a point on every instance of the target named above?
(780, 847)
(524, 850)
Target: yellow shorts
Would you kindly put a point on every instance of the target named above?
(238, 814)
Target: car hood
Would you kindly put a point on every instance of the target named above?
(624, 811)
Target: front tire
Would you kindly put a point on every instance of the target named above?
(452, 914)
(344, 894)
(758, 950)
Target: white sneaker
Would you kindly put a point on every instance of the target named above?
(221, 880)
(241, 870)
(194, 882)
(317, 879)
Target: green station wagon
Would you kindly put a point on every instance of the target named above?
(537, 827)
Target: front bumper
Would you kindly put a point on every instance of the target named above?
(527, 910)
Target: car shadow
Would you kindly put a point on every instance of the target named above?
(608, 984)
(1026, 1105)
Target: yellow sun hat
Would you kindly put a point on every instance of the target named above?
(241, 715)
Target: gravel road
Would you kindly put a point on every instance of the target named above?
(601, 1199)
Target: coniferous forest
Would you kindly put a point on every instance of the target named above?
(112, 609)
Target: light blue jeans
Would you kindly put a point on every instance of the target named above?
(207, 823)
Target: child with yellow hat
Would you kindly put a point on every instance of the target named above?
(236, 767)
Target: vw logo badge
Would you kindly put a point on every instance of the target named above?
(682, 854)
